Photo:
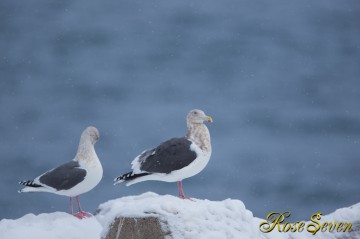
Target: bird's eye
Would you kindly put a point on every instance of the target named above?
(195, 112)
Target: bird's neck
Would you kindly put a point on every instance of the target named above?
(199, 133)
(86, 153)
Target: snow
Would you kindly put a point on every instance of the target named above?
(185, 219)
(210, 219)
(52, 225)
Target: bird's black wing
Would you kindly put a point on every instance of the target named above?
(64, 177)
(169, 156)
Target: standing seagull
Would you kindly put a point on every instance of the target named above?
(73, 178)
(175, 159)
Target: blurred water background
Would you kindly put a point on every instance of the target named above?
(280, 79)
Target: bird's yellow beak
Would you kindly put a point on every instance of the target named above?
(209, 119)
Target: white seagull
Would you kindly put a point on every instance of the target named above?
(175, 159)
(73, 178)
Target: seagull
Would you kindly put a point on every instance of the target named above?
(73, 178)
(174, 159)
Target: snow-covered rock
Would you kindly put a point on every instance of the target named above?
(184, 218)
(211, 219)
(168, 216)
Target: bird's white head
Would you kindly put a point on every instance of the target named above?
(197, 117)
(91, 133)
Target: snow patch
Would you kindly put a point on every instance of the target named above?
(57, 225)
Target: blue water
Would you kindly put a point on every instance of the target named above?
(280, 79)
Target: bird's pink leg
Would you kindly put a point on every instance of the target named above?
(81, 214)
(181, 191)
(71, 207)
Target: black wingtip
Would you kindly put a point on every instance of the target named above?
(24, 182)
(128, 176)
(123, 178)
(29, 183)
